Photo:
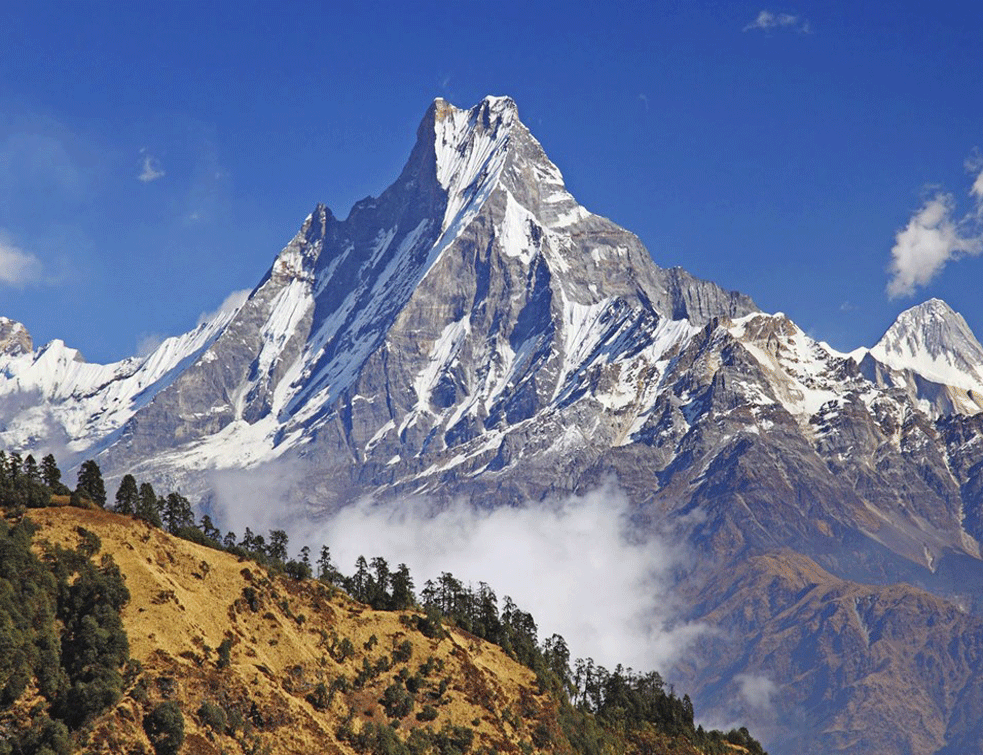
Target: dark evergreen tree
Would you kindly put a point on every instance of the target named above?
(90, 482)
(277, 549)
(15, 466)
(401, 596)
(51, 476)
(164, 726)
(208, 529)
(31, 470)
(176, 513)
(148, 507)
(326, 570)
(128, 496)
(358, 583)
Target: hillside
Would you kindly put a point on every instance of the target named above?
(255, 661)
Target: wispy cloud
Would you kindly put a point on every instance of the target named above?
(152, 169)
(645, 100)
(148, 342)
(936, 235)
(767, 20)
(757, 691)
(17, 267)
(232, 302)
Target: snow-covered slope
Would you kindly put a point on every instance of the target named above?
(931, 353)
(52, 397)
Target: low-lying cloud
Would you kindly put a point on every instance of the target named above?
(757, 691)
(934, 236)
(577, 564)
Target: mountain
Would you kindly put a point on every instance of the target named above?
(474, 333)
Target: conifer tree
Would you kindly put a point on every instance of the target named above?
(326, 570)
(402, 589)
(50, 474)
(148, 507)
(177, 513)
(209, 530)
(128, 496)
(277, 549)
(31, 471)
(90, 482)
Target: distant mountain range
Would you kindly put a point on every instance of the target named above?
(474, 332)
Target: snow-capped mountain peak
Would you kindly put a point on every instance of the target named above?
(934, 341)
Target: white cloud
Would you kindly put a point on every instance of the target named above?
(766, 21)
(933, 237)
(757, 691)
(151, 168)
(17, 267)
(232, 302)
(148, 344)
(576, 564)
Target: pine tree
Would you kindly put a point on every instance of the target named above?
(402, 589)
(148, 507)
(90, 482)
(127, 497)
(31, 471)
(177, 513)
(50, 474)
(209, 530)
(277, 549)
(326, 570)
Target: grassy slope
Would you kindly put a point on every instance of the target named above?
(187, 599)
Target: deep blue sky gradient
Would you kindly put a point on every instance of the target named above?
(777, 162)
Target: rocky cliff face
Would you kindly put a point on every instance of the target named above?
(474, 332)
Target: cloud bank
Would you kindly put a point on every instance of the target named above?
(934, 236)
(576, 564)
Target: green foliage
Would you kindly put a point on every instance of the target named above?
(94, 645)
(397, 701)
(176, 513)
(51, 474)
(212, 716)
(60, 627)
(28, 635)
(164, 726)
(402, 652)
(224, 652)
(427, 713)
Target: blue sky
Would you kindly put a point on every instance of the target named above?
(154, 157)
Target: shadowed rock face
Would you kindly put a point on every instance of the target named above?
(474, 332)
